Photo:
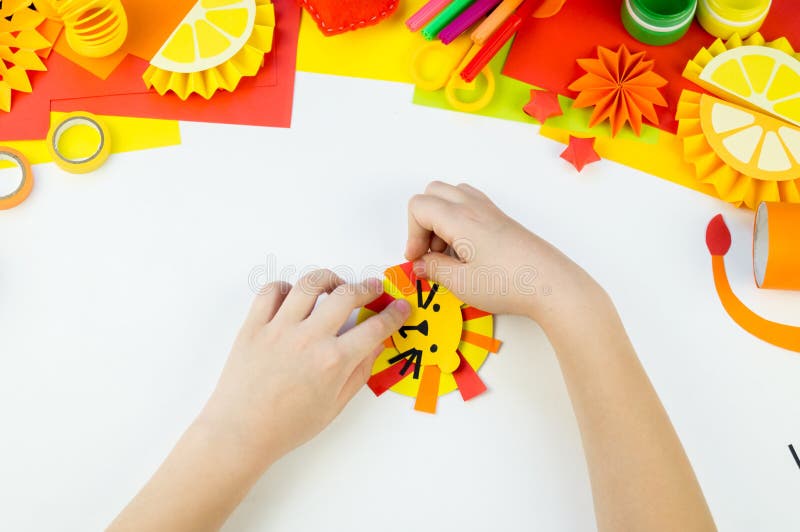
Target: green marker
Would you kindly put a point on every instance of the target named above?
(445, 17)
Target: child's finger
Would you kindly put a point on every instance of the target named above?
(438, 245)
(332, 313)
(265, 305)
(303, 296)
(446, 191)
(360, 342)
(357, 379)
(441, 268)
(428, 216)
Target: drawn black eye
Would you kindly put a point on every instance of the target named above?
(436, 307)
(434, 348)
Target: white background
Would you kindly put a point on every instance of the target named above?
(121, 291)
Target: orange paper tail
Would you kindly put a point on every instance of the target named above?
(428, 390)
(785, 336)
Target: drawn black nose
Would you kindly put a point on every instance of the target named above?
(422, 328)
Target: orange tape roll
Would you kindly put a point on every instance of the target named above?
(94, 28)
(776, 246)
(26, 183)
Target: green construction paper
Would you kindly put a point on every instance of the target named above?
(511, 96)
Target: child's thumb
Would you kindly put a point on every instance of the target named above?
(443, 269)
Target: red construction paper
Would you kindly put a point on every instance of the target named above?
(580, 152)
(339, 16)
(469, 383)
(471, 313)
(718, 236)
(545, 50)
(263, 100)
(383, 380)
(380, 303)
(543, 105)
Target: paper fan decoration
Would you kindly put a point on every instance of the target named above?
(747, 156)
(440, 347)
(26, 37)
(761, 75)
(718, 241)
(217, 44)
(621, 86)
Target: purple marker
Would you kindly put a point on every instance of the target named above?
(470, 16)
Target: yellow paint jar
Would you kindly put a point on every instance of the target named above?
(723, 18)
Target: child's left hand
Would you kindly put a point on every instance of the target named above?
(289, 373)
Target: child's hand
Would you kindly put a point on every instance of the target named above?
(289, 374)
(500, 267)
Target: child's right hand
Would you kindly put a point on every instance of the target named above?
(500, 266)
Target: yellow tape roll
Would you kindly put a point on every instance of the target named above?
(86, 164)
(26, 183)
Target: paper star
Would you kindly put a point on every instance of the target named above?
(621, 87)
(543, 105)
(580, 152)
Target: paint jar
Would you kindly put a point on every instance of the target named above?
(723, 18)
(776, 246)
(658, 22)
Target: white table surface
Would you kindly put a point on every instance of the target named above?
(121, 291)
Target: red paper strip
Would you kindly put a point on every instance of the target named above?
(472, 313)
(408, 267)
(263, 100)
(469, 383)
(398, 277)
(545, 50)
(380, 303)
(383, 380)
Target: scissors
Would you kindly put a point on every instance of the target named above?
(436, 65)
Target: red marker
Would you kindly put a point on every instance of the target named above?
(498, 39)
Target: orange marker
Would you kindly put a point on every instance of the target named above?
(493, 21)
(776, 246)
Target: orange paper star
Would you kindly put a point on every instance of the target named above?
(580, 152)
(543, 105)
(621, 87)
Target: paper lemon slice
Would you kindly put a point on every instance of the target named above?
(748, 157)
(439, 348)
(216, 44)
(753, 73)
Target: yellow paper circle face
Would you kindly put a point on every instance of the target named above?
(445, 327)
(434, 327)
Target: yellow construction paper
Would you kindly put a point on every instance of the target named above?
(384, 51)
(662, 159)
(127, 134)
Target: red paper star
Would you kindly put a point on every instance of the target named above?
(580, 152)
(543, 105)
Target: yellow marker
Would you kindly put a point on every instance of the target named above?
(79, 165)
(723, 18)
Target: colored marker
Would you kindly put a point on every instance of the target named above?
(431, 31)
(425, 14)
(493, 21)
(498, 39)
(466, 19)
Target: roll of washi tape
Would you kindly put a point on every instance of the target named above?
(723, 18)
(94, 28)
(658, 22)
(776, 246)
(80, 165)
(22, 192)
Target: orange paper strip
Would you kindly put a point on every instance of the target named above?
(486, 342)
(428, 390)
(776, 246)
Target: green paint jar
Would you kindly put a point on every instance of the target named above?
(658, 22)
(723, 18)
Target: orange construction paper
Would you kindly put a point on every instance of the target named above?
(150, 23)
(779, 334)
(263, 100)
(428, 394)
(621, 87)
(544, 50)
